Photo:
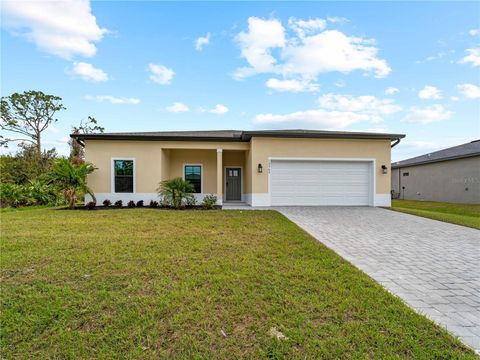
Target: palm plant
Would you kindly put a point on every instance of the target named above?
(176, 191)
(72, 179)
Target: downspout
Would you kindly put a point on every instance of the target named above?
(395, 143)
(400, 184)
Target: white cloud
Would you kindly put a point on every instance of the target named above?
(306, 27)
(291, 85)
(473, 57)
(161, 74)
(474, 32)
(438, 55)
(369, 105)
(391, 90)
(337, 20)
(62, 28)
(177, 107)
(318, 118)
(336, 112)
(307, 53)
(114, 100)
(429, 93)
(202, 41)
(89, 72)
(256, 45)
(219, 109)
(427, 115)
(469, 91)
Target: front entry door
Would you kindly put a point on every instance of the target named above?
(233, 182)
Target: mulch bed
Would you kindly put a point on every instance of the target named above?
(191, 208)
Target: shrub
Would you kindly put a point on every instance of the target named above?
(153, 204)
(140, 203)
(35, 192)
(13, 195)
(131, 204)
(91, 205)
(191, 201)
(40, 193)
(209, 201)
(176, 192)
(118, 203)
(107, 203)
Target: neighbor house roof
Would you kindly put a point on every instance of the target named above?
(233, 135)
(457, 152)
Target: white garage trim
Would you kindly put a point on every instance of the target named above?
(371, 161)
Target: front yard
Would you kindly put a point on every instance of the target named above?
(145, 283)
(460, 214)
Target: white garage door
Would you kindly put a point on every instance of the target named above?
(320, 182)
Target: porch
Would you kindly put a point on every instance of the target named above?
(221, 172)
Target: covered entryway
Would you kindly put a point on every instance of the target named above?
(321, 182)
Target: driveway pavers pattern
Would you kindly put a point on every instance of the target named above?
(433, 266)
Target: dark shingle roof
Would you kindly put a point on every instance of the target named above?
(457, 152)
(233, 135)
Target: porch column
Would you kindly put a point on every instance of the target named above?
(219, 176)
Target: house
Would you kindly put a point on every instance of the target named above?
(449, 175)
(260, 168)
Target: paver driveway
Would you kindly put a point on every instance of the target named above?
(433, 266)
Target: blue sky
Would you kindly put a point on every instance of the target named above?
(410, 68)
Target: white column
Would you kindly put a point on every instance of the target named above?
(219, 176)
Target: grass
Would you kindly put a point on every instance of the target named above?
(144, 283)
(460, 214)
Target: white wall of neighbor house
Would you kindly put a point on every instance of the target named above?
(455, 181)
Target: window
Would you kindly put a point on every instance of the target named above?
(406, 174)
(193, 174)
(123, 172)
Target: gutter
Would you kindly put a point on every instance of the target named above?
(75, 137)
(396, 142)
(432, 161)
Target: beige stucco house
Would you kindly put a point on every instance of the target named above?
(259, 168)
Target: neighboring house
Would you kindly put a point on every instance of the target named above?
(260, 168)
(450, 175)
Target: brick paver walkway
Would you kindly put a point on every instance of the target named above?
(433, 266)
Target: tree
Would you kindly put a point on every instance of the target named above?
(26, 165)
(72, 179)
(77, 153)
(28, 114)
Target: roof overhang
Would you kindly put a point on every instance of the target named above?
(244, 136)
(450, 158)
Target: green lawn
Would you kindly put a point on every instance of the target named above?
(144, 283)
(461, 214)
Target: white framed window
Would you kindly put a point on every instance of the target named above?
(193, 173)
(123, 175)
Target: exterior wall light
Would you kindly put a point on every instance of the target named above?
(260, 168)
(384, 169)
